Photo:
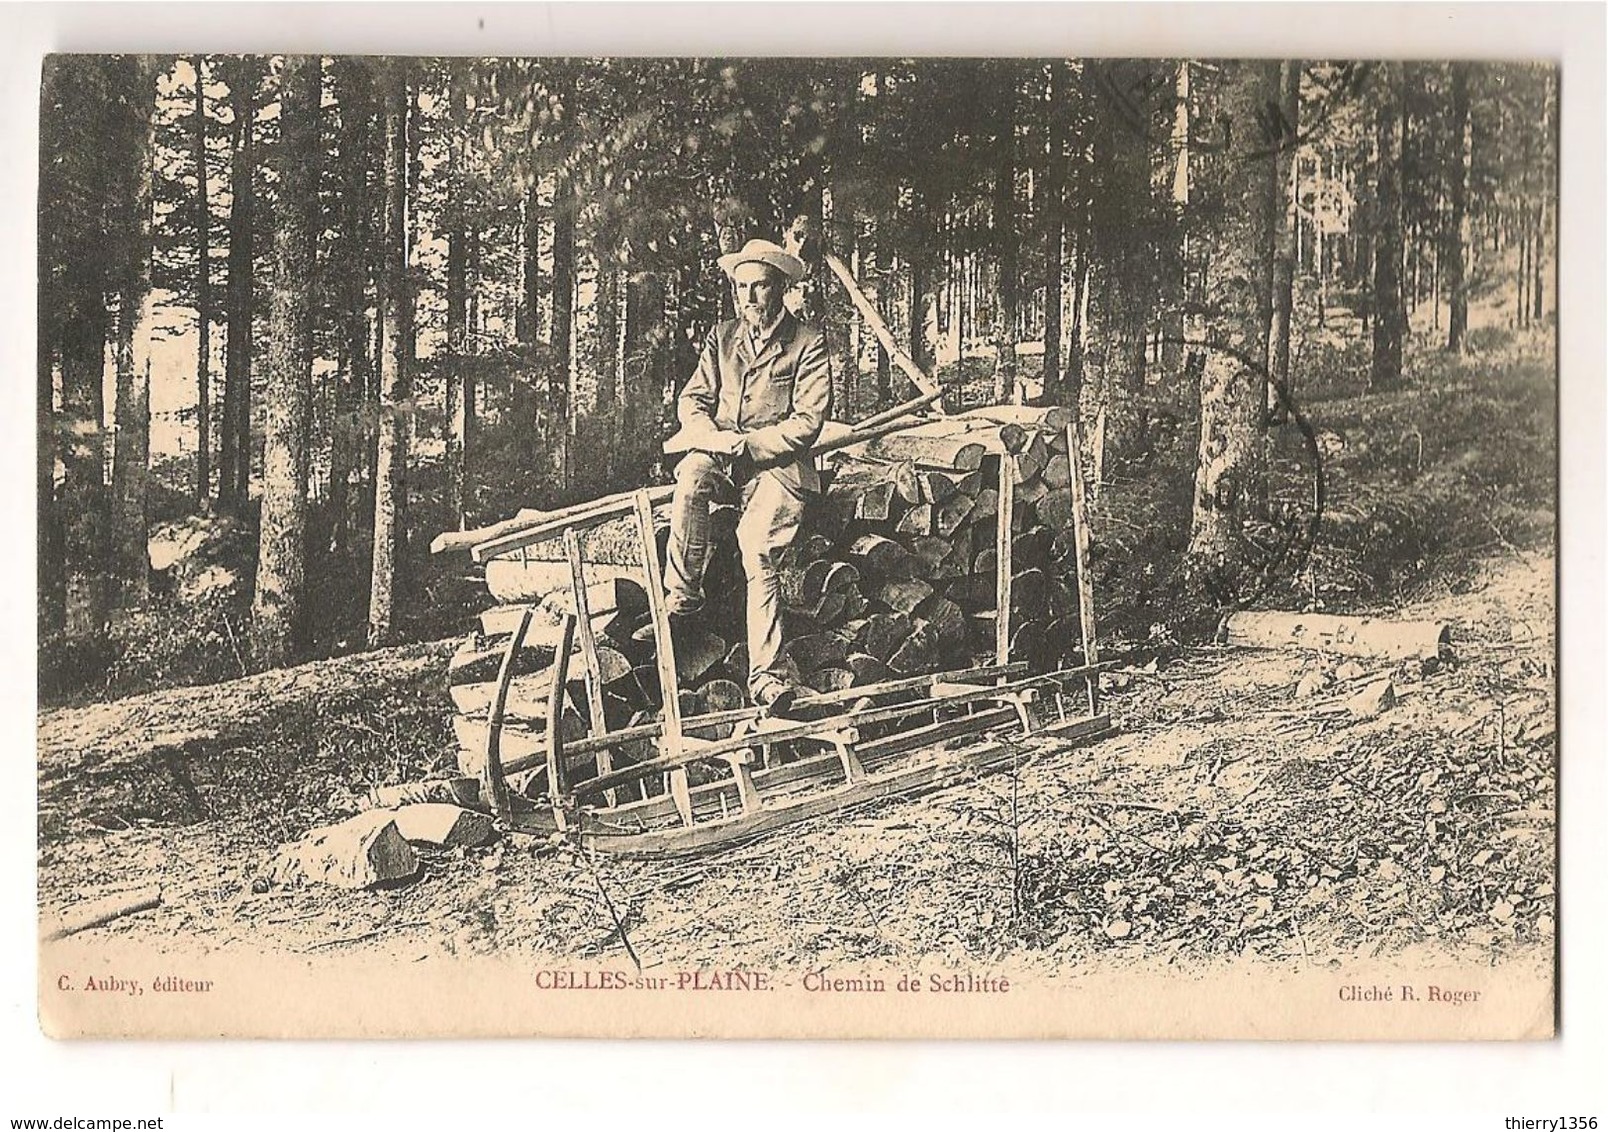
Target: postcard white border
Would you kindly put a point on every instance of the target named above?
(760, 1078)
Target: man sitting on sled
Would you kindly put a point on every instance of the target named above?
(749, 416)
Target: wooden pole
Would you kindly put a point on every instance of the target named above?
(583, 616)
(541, 525)
(1003, 544)
(664, 655)
(1080, 547)
(555, 717)
(880, 328)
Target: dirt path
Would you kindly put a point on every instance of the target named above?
(1226, 821)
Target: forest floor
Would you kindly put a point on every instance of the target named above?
(1226, 819)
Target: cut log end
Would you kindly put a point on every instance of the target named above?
(1346, 635)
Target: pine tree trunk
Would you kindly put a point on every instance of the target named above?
(524, 398)
(472, 306)
(644, 364)
(203, 299)
(528, 313)
(1389, 314)
(468, 396)
(396, 317)
(1545, 229)
(1003, 223)
(1413, 257)
(594, 331)
(1114, 347)
(946, 349)
(131, 454)
(1180, 134)
(235, 454)
(84, 499)
(52, 565)
(1538, 264)
(1286, 219)
(1435, 269)
(1322, 255)
(458, 298)
(838, 308)
(277, 623)
(1100, 335)
(348, 433)
(1522, 312)
(1076, 375)
(1053, 194)
(71, 316)
(961, 306)
(562, 338)
(412, 196)
(596, 336)
(1303, 246)
(1231, 473)
(916, 309)
(1174, 255)
(1120, 288)
(872, 271)
(376, 333)
(878, 278)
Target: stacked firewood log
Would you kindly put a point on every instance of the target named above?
(894, 574)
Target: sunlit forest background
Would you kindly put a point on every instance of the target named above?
(298, 315)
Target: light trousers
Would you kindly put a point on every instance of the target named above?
(771, 512)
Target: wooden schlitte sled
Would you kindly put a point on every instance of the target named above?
(539, 686)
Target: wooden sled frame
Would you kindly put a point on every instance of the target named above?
(835, 766)
(995, 705)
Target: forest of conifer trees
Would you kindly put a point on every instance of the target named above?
(297, 314)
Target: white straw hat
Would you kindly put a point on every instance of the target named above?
(763, 251)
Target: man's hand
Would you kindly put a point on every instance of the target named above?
(715, 441)
(728, 443)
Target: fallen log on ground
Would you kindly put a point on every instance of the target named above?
(1349, 636)
(99, 913)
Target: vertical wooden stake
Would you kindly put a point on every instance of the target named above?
(594, 681)
(664, 650)
(680, 793)
(1080, 544)
(747, 793)
(555, 719)
(1004, 540)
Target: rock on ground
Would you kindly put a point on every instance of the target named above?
(361, 852)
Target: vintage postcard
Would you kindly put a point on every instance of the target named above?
(813, 547)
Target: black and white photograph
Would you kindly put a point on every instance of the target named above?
(820, 546)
